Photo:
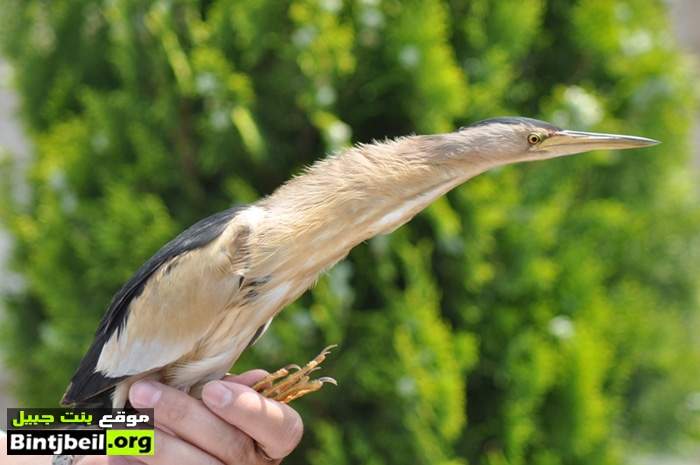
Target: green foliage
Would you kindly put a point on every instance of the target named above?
(541, 314)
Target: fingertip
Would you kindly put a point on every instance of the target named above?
(247, 378)
(216, 394)
(145, 394)
(275, 426)
(288, 434)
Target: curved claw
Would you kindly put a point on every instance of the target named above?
(293, 381)
(327, 349)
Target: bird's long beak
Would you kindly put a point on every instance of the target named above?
(570, 142)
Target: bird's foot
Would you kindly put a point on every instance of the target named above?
(292, 381)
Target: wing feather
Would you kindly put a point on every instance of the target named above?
(138, 347)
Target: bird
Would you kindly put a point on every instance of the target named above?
(194, 307)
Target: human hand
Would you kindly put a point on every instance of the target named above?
(232, 425)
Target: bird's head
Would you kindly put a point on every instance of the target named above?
(510, 140)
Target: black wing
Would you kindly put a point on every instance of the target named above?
(88, 387)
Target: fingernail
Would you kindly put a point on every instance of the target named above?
(144, 394)
(216, 394)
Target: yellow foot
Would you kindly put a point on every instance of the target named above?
(292, 381)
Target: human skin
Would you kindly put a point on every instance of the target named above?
(231, 424)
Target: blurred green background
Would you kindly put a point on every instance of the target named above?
(545, 313)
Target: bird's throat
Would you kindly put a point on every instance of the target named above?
(317, 218)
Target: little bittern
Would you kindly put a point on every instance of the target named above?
(190, 311)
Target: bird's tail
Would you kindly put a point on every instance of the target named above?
(102, 399)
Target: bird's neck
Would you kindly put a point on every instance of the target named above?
(350, 197)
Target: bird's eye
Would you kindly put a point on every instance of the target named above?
(533, 138)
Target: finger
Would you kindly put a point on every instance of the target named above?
(276, 427)
(170, 450)
(248, 378)
(191, 420)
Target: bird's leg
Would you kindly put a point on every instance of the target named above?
(285, 385)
